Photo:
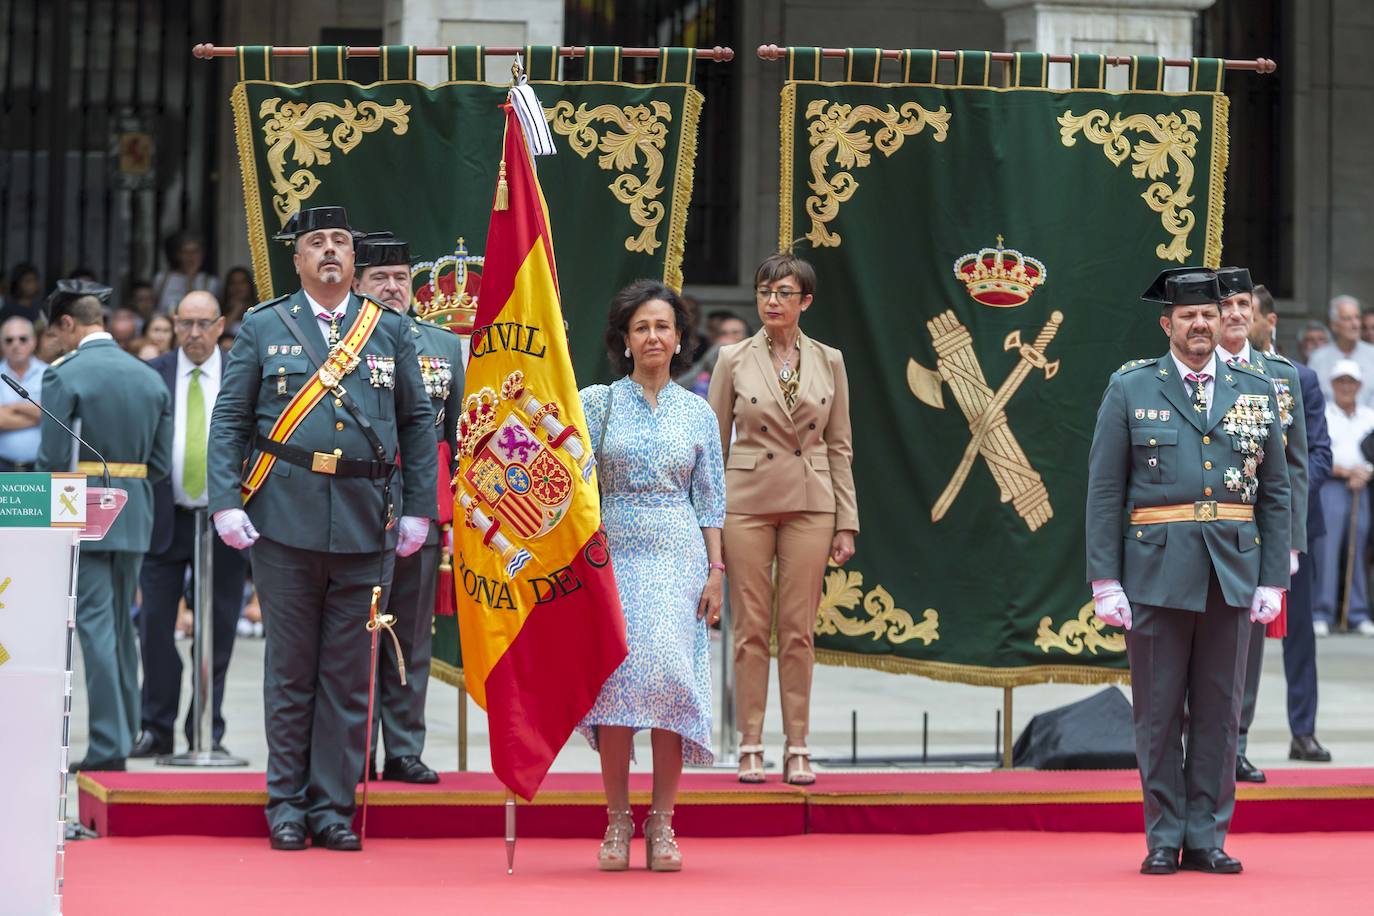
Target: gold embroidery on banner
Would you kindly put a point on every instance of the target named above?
(1083, 632)
(644, 130)
(4, 655)
(289, 131)
(833, 130)
(843, 590)
(1173, 144)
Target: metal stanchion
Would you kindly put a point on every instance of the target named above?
(1006, 728)
(729, 737)
(202, 752)
(462, 723)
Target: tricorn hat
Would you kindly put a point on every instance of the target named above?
(1234, 280)
(1184, 286)
(67, 292)
(298, 224)
(381, 249)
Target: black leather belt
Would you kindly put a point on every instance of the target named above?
(323, 462)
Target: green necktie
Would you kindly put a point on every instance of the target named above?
(193, 463)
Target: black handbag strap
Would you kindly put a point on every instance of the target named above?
(349, 404)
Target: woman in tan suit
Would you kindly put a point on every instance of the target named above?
(782, 400)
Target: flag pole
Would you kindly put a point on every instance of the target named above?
(510, 831)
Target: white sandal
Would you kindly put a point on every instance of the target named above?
(751, 774)
(803, 776)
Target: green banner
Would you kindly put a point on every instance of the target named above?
(422, 161)
(980, 254)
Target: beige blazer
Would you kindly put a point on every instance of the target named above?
(780, 460)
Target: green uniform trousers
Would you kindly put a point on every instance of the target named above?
(106, 584)
(400, 713)
(1180, 657)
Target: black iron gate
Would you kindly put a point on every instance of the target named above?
(107, 134)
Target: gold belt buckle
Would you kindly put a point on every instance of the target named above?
(324, 463)
(1205, 510)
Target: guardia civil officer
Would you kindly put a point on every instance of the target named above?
(384, 274)
(323, 389)
(122, 408)
(1237, 321)
(1187, 532)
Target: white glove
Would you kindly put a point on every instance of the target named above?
(235, 528)
(1110, 603)
(1292, 562)
(1266, 604)
(411, 535)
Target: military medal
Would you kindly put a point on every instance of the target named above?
(272, 350)
(1164, 415)
(1152, 414)
(1140, 413)
(295, 350)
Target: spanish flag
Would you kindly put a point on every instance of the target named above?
(538, 613)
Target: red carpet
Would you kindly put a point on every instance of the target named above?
(714, 804)
(963, 873)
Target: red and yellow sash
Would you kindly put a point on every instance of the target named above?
(342, 360)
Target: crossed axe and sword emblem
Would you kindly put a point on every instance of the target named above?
(957, 365)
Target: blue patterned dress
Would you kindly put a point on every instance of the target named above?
(662, 481)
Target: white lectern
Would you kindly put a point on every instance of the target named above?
(43, 517)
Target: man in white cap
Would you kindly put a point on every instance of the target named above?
(1348, 421)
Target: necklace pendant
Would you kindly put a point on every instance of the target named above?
(785, 374)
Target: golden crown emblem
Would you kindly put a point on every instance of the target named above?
(447, 293)
(999, 277)
(477, 420)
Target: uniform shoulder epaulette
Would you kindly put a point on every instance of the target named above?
(1132, 364)
(1251, 370)
(266, 305)
(64, 358)
(1277, 357)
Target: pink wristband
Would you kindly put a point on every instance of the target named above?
(719, 566)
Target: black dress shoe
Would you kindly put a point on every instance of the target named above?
(151, 744)
(1161, 861)
(87, 765)
(1307, 747)
(339, 838)
(1248, 772)
(1214, 861)
(289, 836)
(409, 769)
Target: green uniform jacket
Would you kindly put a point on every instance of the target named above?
(123, 409)
(296, 506)
(1151, 448)
(1288, 393)
(440, 351)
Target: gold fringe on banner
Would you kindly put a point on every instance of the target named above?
(976, 675)
(1221, 155)
(443, 671)
(248, 166)
(683, 178)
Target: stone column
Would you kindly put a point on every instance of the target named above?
(437, 23)
(1163, 27)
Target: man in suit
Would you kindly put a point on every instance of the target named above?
(1191, 453)
(192, 374)
(1237, 319)
(324, 432)
(1300, 645)
(384, 274)
(120, 406)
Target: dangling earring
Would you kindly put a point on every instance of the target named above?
(627, 352)
(679, 349)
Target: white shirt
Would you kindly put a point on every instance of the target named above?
(319, 310)
(1184, 371)
(1324, 359)
(1347, 432)
(95, 335)
(1226, 355)
(209, 389)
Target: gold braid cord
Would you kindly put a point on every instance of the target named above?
(844, 588)
(833, 131)
(643, 130)
(1083, 632)
(288, 130)
(1172, 144)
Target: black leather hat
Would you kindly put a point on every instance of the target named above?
(298, 224)
(1184, 286)
(1234, 280)
(382, 249)
(67, 292)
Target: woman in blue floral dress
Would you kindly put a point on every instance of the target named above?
(663, 505)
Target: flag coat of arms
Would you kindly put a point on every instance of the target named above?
(538, 613)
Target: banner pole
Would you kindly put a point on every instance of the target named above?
(1261, 65)
(1006, 728)
(510, 831)
(462, 724)
(729, 737)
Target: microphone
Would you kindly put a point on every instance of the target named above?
(24, 393)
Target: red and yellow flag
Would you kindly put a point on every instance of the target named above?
(538, 613)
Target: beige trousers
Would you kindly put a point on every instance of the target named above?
(800, 543)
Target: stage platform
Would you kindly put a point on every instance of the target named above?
(570, 805)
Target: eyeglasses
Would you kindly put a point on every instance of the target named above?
(200, 324)
(785, 296)
(10, 340)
